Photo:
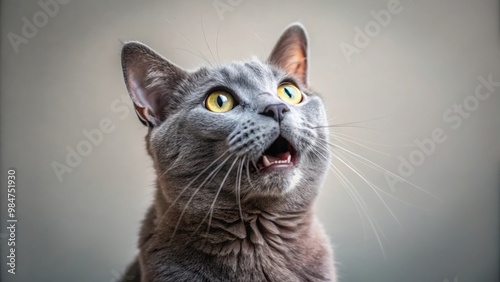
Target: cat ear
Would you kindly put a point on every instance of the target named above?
(150, 79)
(290, 53)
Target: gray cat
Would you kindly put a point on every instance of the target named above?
(240, 153)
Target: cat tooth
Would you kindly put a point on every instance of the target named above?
(289, 159)
(265, 161)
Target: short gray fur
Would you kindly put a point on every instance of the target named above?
(275, 235)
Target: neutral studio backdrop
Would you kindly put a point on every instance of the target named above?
(408, 79)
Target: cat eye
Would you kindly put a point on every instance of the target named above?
(219, 102)
(290, 93)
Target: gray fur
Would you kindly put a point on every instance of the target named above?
(262, 227)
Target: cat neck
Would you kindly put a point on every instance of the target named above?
(229, 231)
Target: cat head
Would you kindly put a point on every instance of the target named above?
(251, 130)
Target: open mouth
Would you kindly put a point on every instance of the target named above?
(280, 154)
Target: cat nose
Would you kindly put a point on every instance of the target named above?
(276, 111)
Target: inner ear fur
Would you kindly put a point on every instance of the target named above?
(150, 80)
(290, 52)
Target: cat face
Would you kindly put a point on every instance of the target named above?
(249, 129)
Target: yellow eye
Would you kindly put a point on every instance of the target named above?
(290, 93)
(219, 102)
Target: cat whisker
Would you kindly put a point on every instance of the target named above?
(321, 155)
(361, 145)
(238, 188)
(382, 190)
(379, 168)
(356, 198)
(248, 174)
(343, 126)
(371, 185)
(260, 40)
(376, 168)
(189, 51)
(217, 43)
(207, 179)
(189, 42)
(360, 121)
(203, 171)
(212, 206)
(331, 118)
(189, 185)
(205, 37)
(255, 165)
(217, 195)
(368, 142)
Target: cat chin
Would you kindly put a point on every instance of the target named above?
(294, 180)
(278, 181)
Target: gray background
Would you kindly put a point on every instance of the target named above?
(68, 77)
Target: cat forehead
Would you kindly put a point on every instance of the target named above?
(248, 75)
(249, 69)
